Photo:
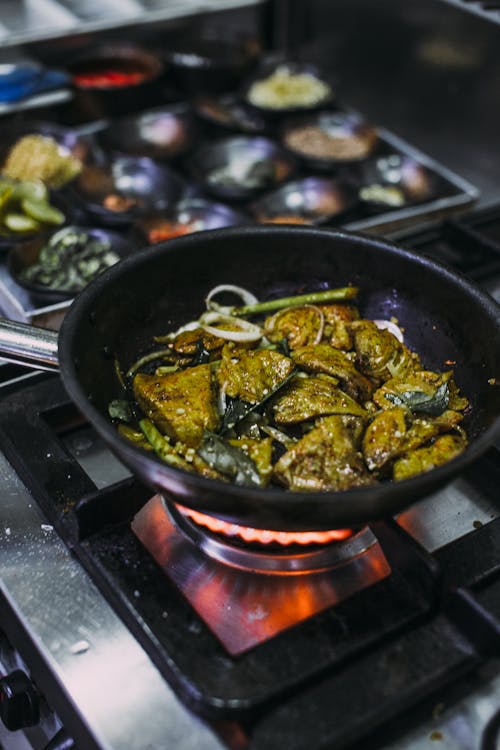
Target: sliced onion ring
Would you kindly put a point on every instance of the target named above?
(246, 297)
(248, 331)
(391, 327)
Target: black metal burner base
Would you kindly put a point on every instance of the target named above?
(294, 559)
(242, 607)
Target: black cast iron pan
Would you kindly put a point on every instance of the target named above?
(445, 318)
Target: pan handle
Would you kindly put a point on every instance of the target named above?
(29, 346)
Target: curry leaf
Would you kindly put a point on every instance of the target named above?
(237, 410)
(202, 356)
(420, 402)
(229, 460)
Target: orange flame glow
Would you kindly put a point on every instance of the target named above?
(264, 536)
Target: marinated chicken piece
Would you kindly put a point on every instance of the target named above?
(325, 459)
(298, 325)
(323, 358)
(181, 404)
(189, 343)
(379, 354)
(384, 437)
(252, 375)
(261, 453)
(337, 318)
(395, 431)
(422, 381)
(311, 397)
(444, 449)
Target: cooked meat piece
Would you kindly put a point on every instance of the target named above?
(424, 459)
(252, 375)
(181, 404)
(384, 437)
(261, 453)
(324, 459)
(337, 318)
(311, 397)
(395, 431)
(188, 343)
(323, 358)
(298, 325)
(379, 354)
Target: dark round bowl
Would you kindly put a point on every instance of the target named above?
(209, 64)
(230, 113)
(138, 179)
(24, 255)
(327, 139)
(241, 167)
(412, 180)
(160, 133)
(191, 215)
(277, 104)
(106, 99)
(312, 200)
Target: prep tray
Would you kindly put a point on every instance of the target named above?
(456, 195)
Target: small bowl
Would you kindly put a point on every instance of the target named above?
(160, 133)
(229, 112)
(397, 174)
(274, 89)
(80, 146)
(24, 255)
(104, 96)
(209, 64)
(313, 200)
(328, 138)
(239, 168)
(117, 192)
(191, 215)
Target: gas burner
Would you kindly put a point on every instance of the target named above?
(266, 551)
(232, 585)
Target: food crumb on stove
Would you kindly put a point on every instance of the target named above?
(477, 524)
(493, 381)
(450, 362)
(435, 735)
(80, 647)
(137, 593)
(164, 615)
(46, 527)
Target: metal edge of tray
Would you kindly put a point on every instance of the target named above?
(171, 11)
(432, 210)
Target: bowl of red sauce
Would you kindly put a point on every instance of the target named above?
(108, 79)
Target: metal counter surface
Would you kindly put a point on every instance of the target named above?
(120, 700)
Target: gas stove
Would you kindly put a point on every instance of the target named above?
(138, 625)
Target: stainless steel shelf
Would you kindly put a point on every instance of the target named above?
(27, 21)
(487, 9)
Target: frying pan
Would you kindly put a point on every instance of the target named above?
(446, 320)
